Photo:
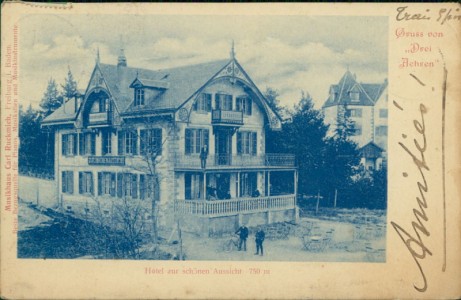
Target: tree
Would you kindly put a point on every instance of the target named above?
(70, 86)
(152, 143)
(345, 127)
(51, 99)
(303, 135)
(35, 153)
(325, 164)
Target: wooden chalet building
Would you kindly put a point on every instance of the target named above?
(132, 124)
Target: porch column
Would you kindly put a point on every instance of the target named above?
(295, 175)
(268, 183)
(238, 185)
(204, 186)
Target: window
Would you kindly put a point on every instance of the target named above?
(127, 142)
(106, 183)
(354, 96)
(151, 141)
(247, 142)
(103, 104)
(87, 143)
(69, 144)
(138, 97)
(85, 180)
(193, 186)
(68, 182)
(203, 103)
(195, 140)
(146, 186)
(355, 112)
(127, 185)
(381, 130)
(223, 102)
(357, 129)
(244, 104)
(106, 142)
(383, 113)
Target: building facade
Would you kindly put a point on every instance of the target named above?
(191, 138)
(365, 105)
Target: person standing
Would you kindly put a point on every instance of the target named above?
(243, 235)
(259, 239)
(203, 156)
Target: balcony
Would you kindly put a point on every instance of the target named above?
(223, 161)
(234, 206)
(226, 117)
(100, 118)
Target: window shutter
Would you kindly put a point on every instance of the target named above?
(143, 142)
(64, 182)
(90, 174)
(249, 106)
(188, 141)
(158, 141)
(93, 143)
(134, 142)
(238, 104)
(120, 136)
(70, 182)
(142, 187)
(206, 134)
(104, 145)
(239, 143)
(74, 144)
(198, 140)
(64, 144)
(195, 105)
(217, 101)
(81, 143)
(208, 102)
(99, 183)
(254, 143)
(112, 184)
(134, 186)
(119, 185)
(80, 182)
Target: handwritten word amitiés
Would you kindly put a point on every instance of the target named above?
(414, 241)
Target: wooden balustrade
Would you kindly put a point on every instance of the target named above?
(223, 160)
(234, 206)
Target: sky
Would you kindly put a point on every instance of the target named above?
(288, 53)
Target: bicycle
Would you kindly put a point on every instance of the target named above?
(231, 244)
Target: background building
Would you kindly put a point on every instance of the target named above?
(365, 105)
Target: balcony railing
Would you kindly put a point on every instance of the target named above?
(234, 206)
(245, 160)
(99, 118)
(226, 117)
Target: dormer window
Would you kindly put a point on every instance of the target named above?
(138, 97)
(354, 96)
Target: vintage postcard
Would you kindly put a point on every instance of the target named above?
(230, 151)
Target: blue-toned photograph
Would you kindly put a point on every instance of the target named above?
(218, 138)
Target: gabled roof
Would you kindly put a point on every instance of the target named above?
(371, 150)
(369, 93)
(182, 82)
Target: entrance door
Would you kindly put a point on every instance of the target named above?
(223, 185)
(223, 147)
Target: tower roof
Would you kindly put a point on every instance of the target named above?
(341, 93)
